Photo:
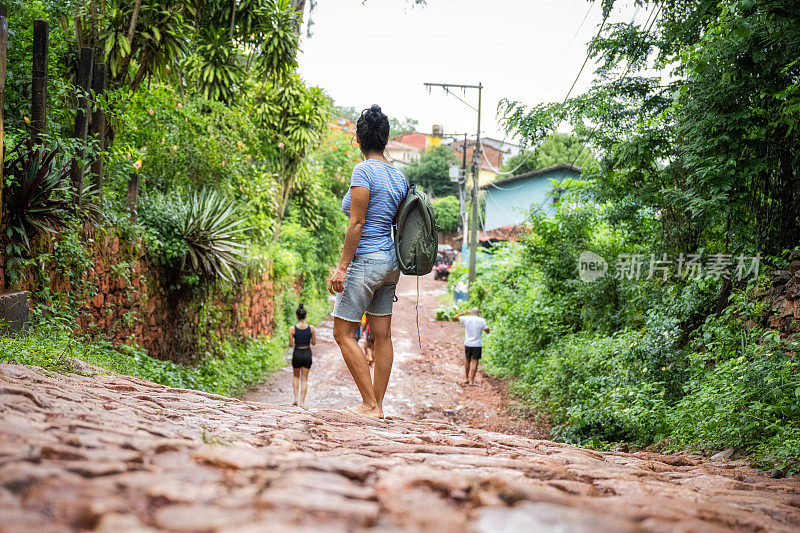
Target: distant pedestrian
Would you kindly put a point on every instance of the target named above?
(474, 326)
(369, 342)
(301, 337)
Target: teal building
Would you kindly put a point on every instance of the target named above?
(509, 200)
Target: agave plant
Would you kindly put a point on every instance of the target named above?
(35, 194)
(212, 233)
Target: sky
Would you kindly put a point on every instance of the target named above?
(382, 51)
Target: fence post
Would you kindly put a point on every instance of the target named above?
(85, 70)
(3, 43)
(41, 44)
(99, 86)
(133, 196)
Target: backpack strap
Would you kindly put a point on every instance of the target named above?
(398, 224)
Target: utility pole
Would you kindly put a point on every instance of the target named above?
(473, 222)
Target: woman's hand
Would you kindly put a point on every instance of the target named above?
(337, 281)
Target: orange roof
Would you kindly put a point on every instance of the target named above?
(414, 138)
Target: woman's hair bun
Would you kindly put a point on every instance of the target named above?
(301, 306)
(372, 129)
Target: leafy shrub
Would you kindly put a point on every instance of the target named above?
(201, 231)
(448, 312)
(635, 361)
(212, 234)
(34, 197)
(448, 212)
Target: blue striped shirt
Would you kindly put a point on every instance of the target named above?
(387, 189)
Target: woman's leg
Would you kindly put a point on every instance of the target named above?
(303, 385)
(382, 354)
(295, 383)
(344, 334)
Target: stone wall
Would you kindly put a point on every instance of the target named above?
(785, 298)
(121, 297)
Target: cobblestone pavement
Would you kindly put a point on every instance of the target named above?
(120, 454)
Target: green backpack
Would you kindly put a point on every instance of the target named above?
(416, 235)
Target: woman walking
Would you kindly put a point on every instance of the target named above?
(301, 337)
(367, 274)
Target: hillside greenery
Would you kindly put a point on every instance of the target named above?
(234, 159)
(703, 164)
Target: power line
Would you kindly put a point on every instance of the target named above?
(585, 61)
(649, 26)
(583, 66)
(575, 36)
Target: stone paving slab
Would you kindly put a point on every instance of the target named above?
(119, 454)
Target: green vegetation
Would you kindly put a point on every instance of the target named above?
(447, 210)
(432, 171)
(242, 365)
(705, 163)
(230, 146)
(636, 361)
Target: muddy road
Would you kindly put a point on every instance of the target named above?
(426, 382)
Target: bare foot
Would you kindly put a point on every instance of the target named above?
(367, 410)
(302, 406)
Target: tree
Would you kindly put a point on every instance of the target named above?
(293, 118)
(712, 150)
(398, 127)
(557, 149)
(334, 161)
(432, 171)
(448, 213)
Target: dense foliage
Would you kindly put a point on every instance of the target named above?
(557, 149)
(432, 171)
(448, 212)
(693, 118)
(637, 361)
(207, 112)
(713, 150)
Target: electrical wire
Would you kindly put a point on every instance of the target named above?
(649, 26)
(583, 66)
(575, 36)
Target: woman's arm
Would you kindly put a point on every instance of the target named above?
(291, 337)
(313, 335)
(359, 199)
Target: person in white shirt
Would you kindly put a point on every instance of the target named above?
(474, 326)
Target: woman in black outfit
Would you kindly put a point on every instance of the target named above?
(301, 337)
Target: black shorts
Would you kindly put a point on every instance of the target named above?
(473, 352)
(301, 358)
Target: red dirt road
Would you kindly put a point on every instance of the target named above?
(425, 383)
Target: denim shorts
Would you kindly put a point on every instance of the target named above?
(369, 286)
